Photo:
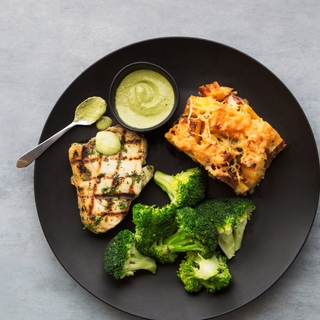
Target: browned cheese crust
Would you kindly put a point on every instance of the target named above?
(221, 131)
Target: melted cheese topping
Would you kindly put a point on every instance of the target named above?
(227, 137)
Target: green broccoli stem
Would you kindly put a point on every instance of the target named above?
(164, 180)
(239, 233)
(138, 261)
(181, 242)
(226, 243)
(230, 243)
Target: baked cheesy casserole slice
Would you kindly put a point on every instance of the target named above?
(220, 130)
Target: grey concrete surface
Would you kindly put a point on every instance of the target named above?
(45, 45)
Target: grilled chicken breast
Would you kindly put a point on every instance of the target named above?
(106, 185)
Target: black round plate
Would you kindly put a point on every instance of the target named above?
(286, 199)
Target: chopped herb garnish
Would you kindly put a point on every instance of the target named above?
(90, 226)
(135, 177)
(123, 205)
(109, 191)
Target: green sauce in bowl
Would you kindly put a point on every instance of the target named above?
(143, 96)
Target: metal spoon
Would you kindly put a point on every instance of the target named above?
(87, 112)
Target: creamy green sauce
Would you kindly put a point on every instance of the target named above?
(104, 123)
(144, 98)
(91, 109)
(107, 143)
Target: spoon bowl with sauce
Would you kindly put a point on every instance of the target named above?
(87, 113)
(143, 96)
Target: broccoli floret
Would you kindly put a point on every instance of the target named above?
(230, 217)
(184, 189)
(186, 273)
(196, 273)
(195, 233)
(152, 225)
(161, 252)
(121, 257)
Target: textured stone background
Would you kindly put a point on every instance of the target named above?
(45, 45)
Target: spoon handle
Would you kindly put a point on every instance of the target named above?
(34, 153)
